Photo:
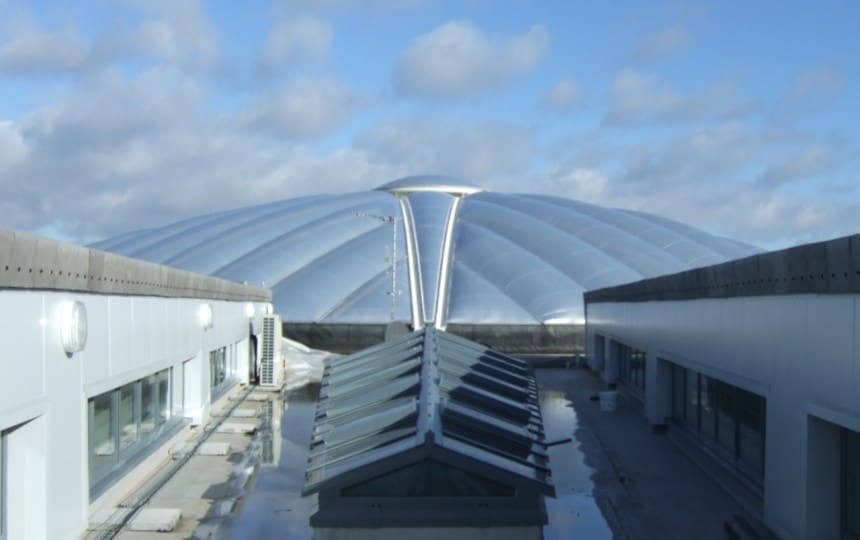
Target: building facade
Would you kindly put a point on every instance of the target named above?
(106, 361)
(757, 361)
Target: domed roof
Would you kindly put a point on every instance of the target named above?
(462, 255)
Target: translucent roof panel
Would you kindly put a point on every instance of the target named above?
(422, 390)
(510, 258)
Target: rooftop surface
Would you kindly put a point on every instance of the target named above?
(615, 479)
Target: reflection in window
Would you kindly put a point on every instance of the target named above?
(692, 400)
(631, 363)
(124, 422)
(220, 372)
(164, 399)
(148, 406)
(727, 419)
(103, 440)
(679, 395)
(128, 416)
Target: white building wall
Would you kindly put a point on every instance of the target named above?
(798, 351)
(44, 391)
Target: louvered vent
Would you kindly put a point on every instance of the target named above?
(270, 374)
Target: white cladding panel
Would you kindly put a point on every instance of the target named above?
(799, 351)
(44, 391)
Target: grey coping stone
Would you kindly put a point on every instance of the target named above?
(236, 427)
(214, 449)
(155, 520)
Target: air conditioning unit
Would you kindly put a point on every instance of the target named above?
(271, 365)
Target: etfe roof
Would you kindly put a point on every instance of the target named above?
(463, 255)
(428, 396)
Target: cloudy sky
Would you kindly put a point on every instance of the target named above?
(741, 118)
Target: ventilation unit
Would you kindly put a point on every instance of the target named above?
(271, 366)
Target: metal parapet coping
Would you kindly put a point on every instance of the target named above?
(37, 263)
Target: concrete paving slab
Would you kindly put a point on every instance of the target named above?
(246, 413)
(107, 516)
(214, 449)
(155, 520)
(236, 427)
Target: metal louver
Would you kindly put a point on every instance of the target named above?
(270, 369)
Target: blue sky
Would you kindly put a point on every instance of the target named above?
(736, 117)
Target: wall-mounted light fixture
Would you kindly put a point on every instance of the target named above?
(205, 316)
(73, 326)
(249, 310)
(270, 309)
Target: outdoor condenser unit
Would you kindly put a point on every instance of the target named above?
(271, 366)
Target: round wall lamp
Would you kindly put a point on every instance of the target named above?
(249, 310)
(205, 316)
(73, 326)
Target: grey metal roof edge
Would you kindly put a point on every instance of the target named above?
(828, 267)
(38, 263)
(363, 472)
(490, 471)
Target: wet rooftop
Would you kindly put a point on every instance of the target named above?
(614, 479)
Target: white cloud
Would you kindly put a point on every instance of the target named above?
(179, 33)
(561, 97)
(480, 152)
(13, 149)
(298, 38)
(661, 44)
(811, 90)
(707, 178)
(30, 50)
(809, 162)
(304, 108)
(637, 98)
(458, 60)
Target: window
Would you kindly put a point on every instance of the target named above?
(124, 422)
(220, 375)
(851, 490)
(679, 393)
(727, 420)
(217, 367)
(631, 364)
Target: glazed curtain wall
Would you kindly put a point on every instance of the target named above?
(125, 422)
(631, 363)
(729, 421)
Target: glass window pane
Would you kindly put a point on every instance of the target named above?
(708, 413)
(148, 411)
(103, 436)
(679, 400)
(726, 417)
(128, 414)
(693, 400)
(163, 409)
(852, 484)
(751, 413)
